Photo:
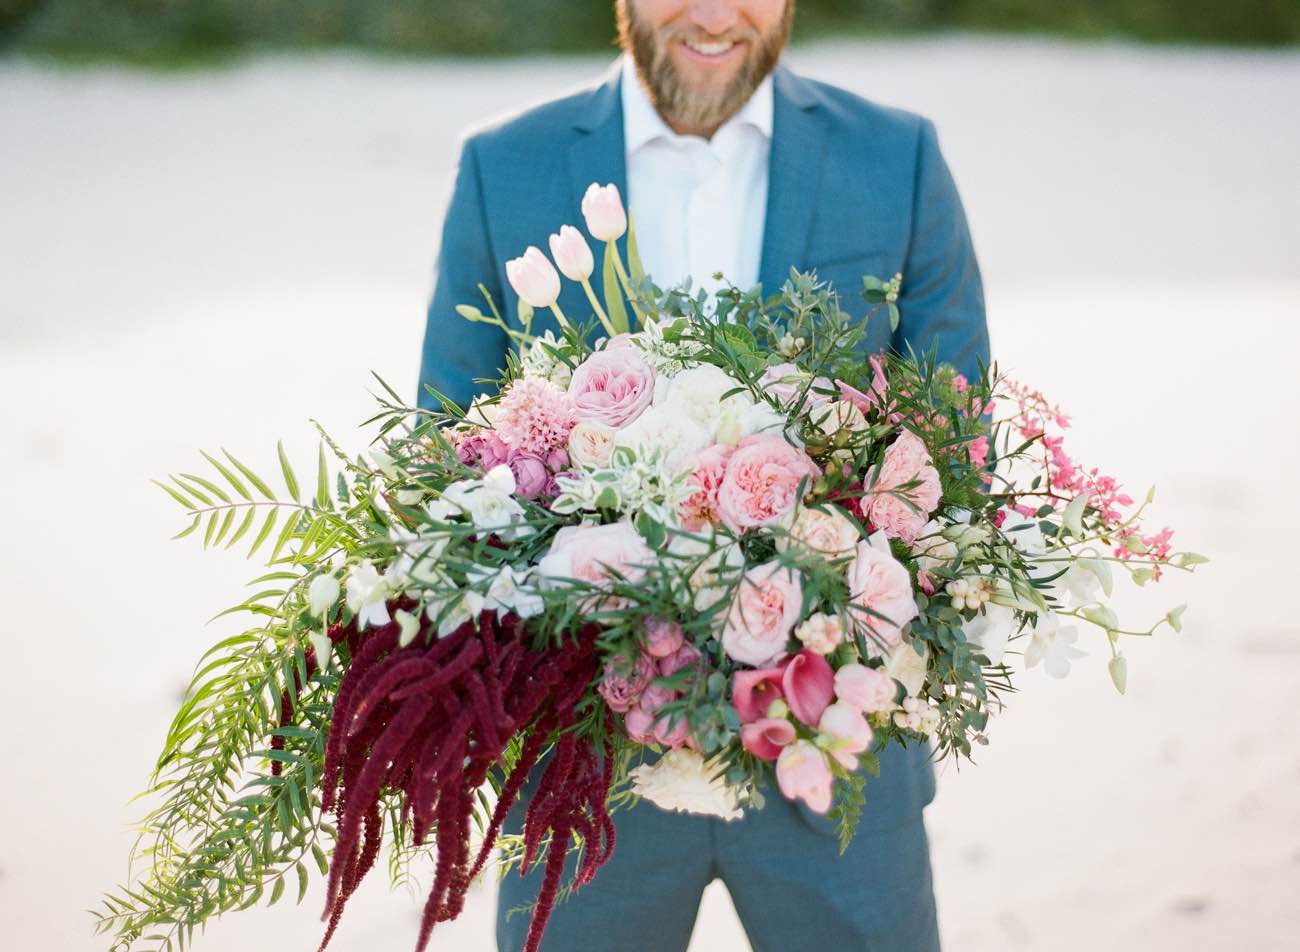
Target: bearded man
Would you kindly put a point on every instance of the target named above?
(730, 163)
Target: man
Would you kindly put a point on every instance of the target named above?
(732, 163)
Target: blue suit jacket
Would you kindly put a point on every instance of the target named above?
(854, 188)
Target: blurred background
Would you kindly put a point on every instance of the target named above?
(217, 217)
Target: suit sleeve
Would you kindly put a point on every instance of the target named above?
(942, 298)
(456, 351)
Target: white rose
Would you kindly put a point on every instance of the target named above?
(736, 423)
(667, 431)
(591, 444)
(698, 393)
(826, 531)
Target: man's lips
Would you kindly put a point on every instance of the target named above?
(711, 52)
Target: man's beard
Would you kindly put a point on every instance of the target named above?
(673, 98)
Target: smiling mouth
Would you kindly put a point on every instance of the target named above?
(713, 49)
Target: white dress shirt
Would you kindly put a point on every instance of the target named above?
(698, 205)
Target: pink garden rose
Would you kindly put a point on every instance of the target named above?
(767, 603)
(660, 638)
(882, 590)
(906, 460)
(848, 731)
(761, 483)
(590, 553)
(612, 386)
(765, 737)
(808, 683)
(706, 469)
(867, 689)
(622, 684)
(802, 773)
(827, 531)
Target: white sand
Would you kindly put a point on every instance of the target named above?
(206, 259)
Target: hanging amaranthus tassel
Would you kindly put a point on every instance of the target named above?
(431, 721)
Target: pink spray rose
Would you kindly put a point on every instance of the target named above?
(705, 471)
(767, 604)
(612, 386)
(660, 638)
(906, 460)
(881, 589)
(803, 774)
(590, 553)
(765, 737)
(761, 483)
(531, 474)
(684, 656)
(482, 449)
(867, 689)
(808, 683)
(752, 693)
(849, 733)
(622, 685)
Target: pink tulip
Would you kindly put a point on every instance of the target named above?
(572, 254)
(808, 684)
(752, 693)
(765, 737)
(848, 731)
(603, 210)
(803, 774)
(534, 278)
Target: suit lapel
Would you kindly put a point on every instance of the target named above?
(794, 176)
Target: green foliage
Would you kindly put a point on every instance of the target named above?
(178, 31)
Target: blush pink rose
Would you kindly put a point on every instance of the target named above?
(808, 683)
(591, 553)
(765, 737)
(906, 460)
(882, 591)
(867, 689)
(802, 773)
(752, 693)
(761, 483)
(787, 381)
(767, 603)
(622, 684)
(849, 732)
(612, 386)
(705, 471)
(660, 638)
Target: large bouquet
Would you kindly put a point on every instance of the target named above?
(716, 547)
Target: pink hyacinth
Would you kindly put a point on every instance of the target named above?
(534, 415)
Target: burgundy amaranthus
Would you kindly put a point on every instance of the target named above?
(430, 721)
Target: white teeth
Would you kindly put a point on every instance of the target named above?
(710, 49)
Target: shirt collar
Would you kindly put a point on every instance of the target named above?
(642, 122)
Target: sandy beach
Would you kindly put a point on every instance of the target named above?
(201, 259)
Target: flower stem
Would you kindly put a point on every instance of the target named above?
(559, 316)
(626, 282)
(600, 311)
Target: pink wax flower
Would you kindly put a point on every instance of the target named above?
(879, 585)
(592, 553)
(808, 683)
(706, 470)
(848, 731)
(531, 474)
(765, 737)
(752, 693)
(761, 483)
(979, 451)
(867, 689)
(660, 637)
(803, 774)
(767, 603)
(622, 684)
(787, 381)
(906, 460)
(534, 415)
(612, 386)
